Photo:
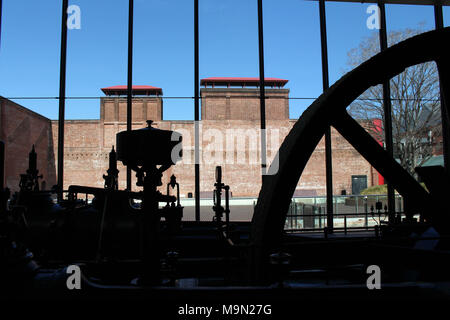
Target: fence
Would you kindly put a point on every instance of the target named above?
(308, 214)
(354, 212)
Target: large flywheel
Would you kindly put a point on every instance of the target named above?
(330, 110)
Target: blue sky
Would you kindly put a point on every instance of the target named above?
(163, 47)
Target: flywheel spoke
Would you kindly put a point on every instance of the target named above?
(379, 158)
(444, 77)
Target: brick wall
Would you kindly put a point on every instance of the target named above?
(241, 171)
(228, 119)
(243, 104)
(86, 160)
(20, 128)
(114, 109)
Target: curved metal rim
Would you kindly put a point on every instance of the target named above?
(330, 109)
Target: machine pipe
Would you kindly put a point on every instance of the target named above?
(130, 77)
(326, 85)
(262, 97)
(196, 111)
(387, 107)
(62, 97)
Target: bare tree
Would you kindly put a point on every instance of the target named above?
(416, 121)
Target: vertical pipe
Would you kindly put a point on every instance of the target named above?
(438, 16)
(439, 21)
(387, 107)
(196, 111)
(345, 224)
(4, 193)
(227, 210)
(326, 84)
(62, 97)
(2, 167)
(2, 145)
(262, 97)
(366, 211)
(130, 77)
(1, 5)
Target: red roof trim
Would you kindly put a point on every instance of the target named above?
(136, 90)
(242, 81)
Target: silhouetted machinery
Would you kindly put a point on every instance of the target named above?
(136, 244)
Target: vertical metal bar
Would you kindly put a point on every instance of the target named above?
(387, 107)
(227, 210)
(262, 94)
(130, 77)
(2, 167)
(326, 84)
(196, 111)
(439, 21)
(2, 145)
(1, 6)
(4, 193)
(366, 211)
(438, 16)
(336, 211)
(345, 223)
(62, 97)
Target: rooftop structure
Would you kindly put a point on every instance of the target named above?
(136, 90)
(241, 82)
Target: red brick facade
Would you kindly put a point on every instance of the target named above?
(243, 104)
(20, 128)
(228, 114)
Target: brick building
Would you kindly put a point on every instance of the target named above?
(229, 136)
(20, 128)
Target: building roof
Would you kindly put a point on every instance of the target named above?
(136, 90)
(434, 161)
(242, 82)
